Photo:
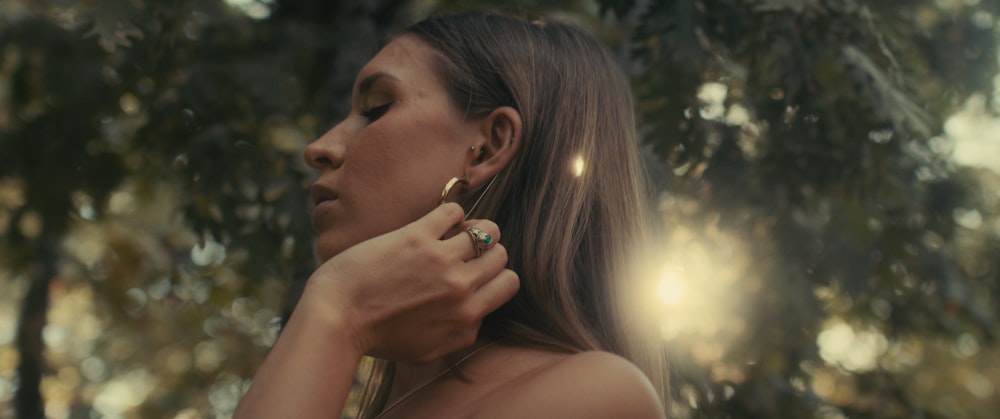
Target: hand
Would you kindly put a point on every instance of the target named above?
(410, 295)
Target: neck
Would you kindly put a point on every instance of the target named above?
(410, 378)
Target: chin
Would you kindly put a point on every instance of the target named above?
(327, 246)
(321, 256)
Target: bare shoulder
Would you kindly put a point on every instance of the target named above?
(585, 385)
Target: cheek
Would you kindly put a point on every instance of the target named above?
(391, 184)
(396, 158)
(374, 164)
(399, 166)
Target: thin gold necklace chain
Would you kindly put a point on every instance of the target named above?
(438, 376)
(480, 198)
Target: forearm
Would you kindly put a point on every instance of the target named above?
(310, 370)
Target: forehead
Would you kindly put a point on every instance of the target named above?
(407, 59)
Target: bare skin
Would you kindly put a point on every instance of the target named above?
(509, 382)
(309, 372)
(401, 281)
(368, 300)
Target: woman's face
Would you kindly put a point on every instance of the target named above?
(384, 165)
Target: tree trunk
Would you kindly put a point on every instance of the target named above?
(28, 401)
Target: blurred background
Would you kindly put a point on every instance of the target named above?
(827, 172)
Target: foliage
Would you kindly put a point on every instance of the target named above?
(180, 142)
(811, 129)
(151, 185)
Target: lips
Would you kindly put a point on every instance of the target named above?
(322, 198)
(321, 194)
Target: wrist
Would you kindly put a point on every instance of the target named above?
(334, 322)
(317, 349)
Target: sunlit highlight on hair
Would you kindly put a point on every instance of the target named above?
(578, 166)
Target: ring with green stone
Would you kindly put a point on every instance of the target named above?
(481, 240)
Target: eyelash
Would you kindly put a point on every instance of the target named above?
(376, 112)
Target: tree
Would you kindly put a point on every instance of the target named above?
(151, 186)
(810, 133)
(121, 132)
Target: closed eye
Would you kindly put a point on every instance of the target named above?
(374, 113)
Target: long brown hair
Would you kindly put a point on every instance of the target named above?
(572, 204)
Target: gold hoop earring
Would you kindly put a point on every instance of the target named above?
(449, 186)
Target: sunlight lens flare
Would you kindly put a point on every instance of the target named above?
(700, 287)
(670, 289)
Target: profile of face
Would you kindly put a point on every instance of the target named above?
(386, 163)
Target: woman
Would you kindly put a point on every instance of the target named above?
(523, 311)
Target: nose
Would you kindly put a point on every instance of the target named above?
(326, 152)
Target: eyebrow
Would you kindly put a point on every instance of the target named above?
(365, 84)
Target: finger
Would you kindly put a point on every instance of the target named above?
(480, 270)
(495, 292)
(483, 236)
(461, 228)
(494, 229)
(441, 219)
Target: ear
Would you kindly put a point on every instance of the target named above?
(498, 142)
